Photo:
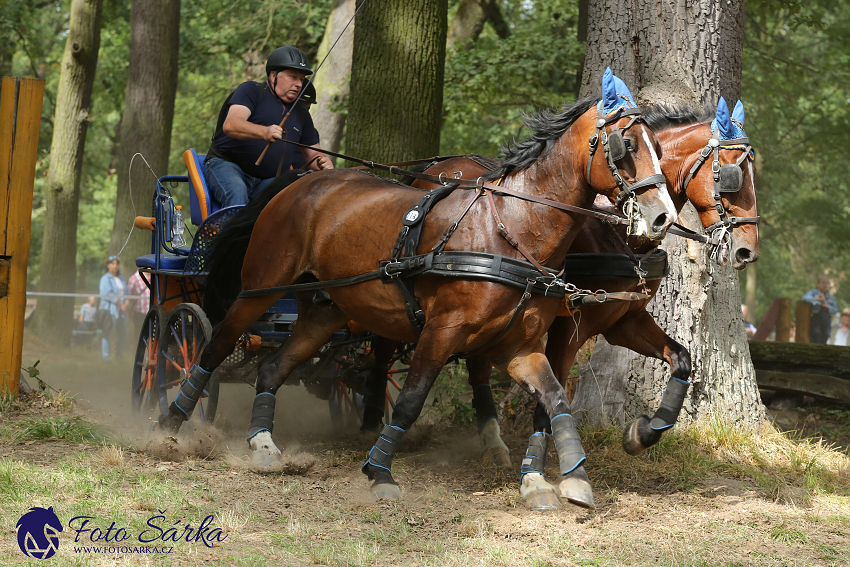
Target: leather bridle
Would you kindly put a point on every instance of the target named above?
(615, 150)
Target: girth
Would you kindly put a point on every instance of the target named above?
(600, 266)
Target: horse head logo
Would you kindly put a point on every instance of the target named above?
(38, 533)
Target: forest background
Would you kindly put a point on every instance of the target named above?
(795, 89)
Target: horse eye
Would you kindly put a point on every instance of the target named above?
(629, 145)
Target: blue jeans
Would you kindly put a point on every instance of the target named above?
(229, 185)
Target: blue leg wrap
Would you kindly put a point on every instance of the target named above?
(671, 404)
(567, 443)
(262, 414)
(191, 389)
(381, 455)
(535, 456)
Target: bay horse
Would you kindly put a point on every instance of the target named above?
(338, 224)
(728, 212)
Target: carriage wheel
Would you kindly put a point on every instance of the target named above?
(144, 394)
(345, 405)
(184, 336)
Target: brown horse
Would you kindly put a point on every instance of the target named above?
(338, 224)
(685, 136)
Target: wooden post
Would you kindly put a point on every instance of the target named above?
(783, 321)
(767, 322)
(20, 121)
(802, 315)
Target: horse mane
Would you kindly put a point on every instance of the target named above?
(224, 280)
(548, 127)
(663, 116)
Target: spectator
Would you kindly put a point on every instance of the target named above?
(87, 313)
(137, 286)
(749, 327)
(823, 308)
(112, 286)
(841, 335)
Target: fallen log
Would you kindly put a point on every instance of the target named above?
(813, 369)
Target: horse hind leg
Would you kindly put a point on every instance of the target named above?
(222, 342)
(486, 415)
(642, 335)
(534, 372)
(312, 330)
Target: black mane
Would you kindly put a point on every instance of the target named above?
(548, 127)
(662, 116)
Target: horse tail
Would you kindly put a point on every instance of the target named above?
(224, 280)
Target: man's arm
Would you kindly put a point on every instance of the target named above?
(322, 161)
(237, 126)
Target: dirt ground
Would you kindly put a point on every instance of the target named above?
(456, 508)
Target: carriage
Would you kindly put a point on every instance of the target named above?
(176, 328)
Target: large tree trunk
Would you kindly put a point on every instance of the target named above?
(469, 21)
(54, 316)
(699, 303)
(332, 81)
(146, 124)
(396, 96)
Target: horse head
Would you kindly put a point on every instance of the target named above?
(721, 185)
(629, 171)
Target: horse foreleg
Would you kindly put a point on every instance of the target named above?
(432, 352)
(239, 317)
(495, 450)
(639, 332)
(374, 400)
(533, 371)
(313, 329)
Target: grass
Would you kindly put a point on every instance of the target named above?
(66, 428)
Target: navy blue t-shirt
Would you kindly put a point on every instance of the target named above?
(270, 110)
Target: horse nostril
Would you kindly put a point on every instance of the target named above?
(743, 255)
(660, 222)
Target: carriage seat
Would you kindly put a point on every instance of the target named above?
(166, 262)
(201, 203)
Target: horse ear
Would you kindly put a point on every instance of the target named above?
(738, 112)
(609, 89)
(623, 90)
(724, 123)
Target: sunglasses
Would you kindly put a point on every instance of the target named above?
(113, 259)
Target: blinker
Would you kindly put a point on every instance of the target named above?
(616, 146)
(731, 178)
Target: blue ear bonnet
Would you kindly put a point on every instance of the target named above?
(728, 127)
(615, 95)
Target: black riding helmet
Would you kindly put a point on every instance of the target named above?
(288, 57)
(309, 95)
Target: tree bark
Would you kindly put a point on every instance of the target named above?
(665, 57)
(54, 316)
(148, 114)
(332, 81)
(396, 97)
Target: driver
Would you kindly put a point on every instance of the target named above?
(250, 118)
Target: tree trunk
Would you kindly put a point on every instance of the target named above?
(699, 303)
(146, 124)
(332, 81)
(54, 315)
(396, 96)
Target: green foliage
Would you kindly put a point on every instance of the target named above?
(490, 83)
(800, 129)
(452, 395)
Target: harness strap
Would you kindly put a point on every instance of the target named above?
(503, 232)
(526, 295)
(471, 183)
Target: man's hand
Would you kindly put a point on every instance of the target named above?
(324, 163)
(272, 133)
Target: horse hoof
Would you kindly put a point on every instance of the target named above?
(577, 491)
(495, 449)
(537, 493)
(499, 457)
(631, 436)
(386, 490)
(264, 453)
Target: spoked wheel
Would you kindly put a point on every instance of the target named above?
(184, 336)
(346, 405)
(145, 394)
